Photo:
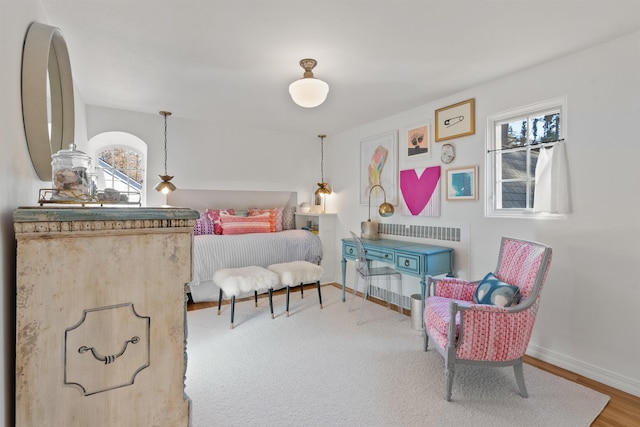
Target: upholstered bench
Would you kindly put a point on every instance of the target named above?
(298, 273)
(236, 281)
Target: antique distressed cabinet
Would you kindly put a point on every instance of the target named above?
(100, 316)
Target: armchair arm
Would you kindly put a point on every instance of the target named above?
(491, 333)
(452, 287)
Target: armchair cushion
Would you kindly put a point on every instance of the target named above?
(493, 291)
(437, 314)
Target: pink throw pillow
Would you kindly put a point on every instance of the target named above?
(245, 224)
(214, 216)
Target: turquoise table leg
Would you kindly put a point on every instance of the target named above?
(344, 278)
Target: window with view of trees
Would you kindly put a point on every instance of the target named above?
(515, 139)
(121, 168)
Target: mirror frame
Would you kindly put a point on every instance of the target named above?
(45, 50)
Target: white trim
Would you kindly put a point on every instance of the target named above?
(593, 372)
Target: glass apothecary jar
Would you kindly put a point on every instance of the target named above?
(71, 180)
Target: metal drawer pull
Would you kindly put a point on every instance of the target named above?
(350, 251)
(111, 357)
(406, 263)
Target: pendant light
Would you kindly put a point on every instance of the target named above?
(165, 186)
(323, 187)
(308, 92)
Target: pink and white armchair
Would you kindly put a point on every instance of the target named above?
(471, 333)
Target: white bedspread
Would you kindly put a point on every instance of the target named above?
(216, 252)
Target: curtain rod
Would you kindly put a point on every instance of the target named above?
(546, 144)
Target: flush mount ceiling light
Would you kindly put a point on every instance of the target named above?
(165, 186)
(308, 92)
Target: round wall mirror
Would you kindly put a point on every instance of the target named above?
(47, 95)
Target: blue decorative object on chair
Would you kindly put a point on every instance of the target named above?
(493, 291)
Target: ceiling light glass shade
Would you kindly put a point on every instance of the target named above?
(308, 92)
(165, 186)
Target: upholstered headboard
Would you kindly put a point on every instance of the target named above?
(236, 199)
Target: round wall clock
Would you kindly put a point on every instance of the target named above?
(447, 153)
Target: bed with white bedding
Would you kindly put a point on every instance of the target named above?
(213, 252)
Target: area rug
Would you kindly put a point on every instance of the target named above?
(318, 368)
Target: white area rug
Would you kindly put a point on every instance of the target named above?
(317, 368)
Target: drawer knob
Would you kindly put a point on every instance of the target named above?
(406, 263)
(351, 251)
(386, 255)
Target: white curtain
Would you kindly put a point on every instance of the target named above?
(553, 193)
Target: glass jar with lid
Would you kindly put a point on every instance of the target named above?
(70, 172)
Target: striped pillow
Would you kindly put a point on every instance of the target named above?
(232, 224)
(214, 216)
(275, 216)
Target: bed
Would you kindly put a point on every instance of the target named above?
(212, 252)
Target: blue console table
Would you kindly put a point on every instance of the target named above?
(414, 259)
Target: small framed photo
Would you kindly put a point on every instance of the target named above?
(456, 120)
(462, 183)
(416, 144)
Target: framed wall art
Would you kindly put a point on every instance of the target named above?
(379, 165)
(420, 190)
(455, 120)
(416, 142)
(462, 183)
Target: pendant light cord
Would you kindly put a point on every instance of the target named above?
(321, 157)
(165, 144)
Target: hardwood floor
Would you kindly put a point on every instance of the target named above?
(623, 409)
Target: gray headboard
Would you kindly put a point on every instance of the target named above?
(226, 199)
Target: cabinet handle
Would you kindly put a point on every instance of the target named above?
(350, 251)
(111, 357)
(406, 263)
(386, 255)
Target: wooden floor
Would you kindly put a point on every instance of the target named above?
(623, 409)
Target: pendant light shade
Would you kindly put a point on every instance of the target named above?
(308, 92)
(165, 186)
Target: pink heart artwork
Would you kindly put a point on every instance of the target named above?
(417, 191)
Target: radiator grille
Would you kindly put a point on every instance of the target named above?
(449, 234)
(393, 297)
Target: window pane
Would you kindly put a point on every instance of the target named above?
(545, 128)
(534, 153)
(514, 195)
(514, 165)
(514, 134)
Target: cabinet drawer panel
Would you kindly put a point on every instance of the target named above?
(378, 254)
(408, 263)
(349, 250)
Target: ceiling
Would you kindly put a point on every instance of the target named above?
(231, 61)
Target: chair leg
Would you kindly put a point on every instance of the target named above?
(365, 294)
(517, 369)
(449, 371)
(287, 301)
(355, 291)
(233, 309)
(388, 280)
(319, 294)
(271, 301)
(219, 301)
(400, 310)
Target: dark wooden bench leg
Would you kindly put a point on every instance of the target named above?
(233, 309)
(271, 301)
(219, 301)
(287, 301)
(301, 290)
(319, 294)
(255, 293)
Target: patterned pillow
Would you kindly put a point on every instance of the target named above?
(288, 218)
(203, 225)
(214, 215)
(273, 216)
(495, 292)
(245, 224)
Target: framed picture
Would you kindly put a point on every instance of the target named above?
(416, 143)
(456, 120)
(420, 191)
(462, 183)
(379, 165)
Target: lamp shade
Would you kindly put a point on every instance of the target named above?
(308, 92)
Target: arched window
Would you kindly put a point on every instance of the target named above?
(120, 162)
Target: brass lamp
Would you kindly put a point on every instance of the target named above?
(165, 186)
(323, 188)
(368, 228)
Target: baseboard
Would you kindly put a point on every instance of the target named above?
(585, 369)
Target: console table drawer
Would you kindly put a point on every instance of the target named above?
(378, 254)
(349, 250)
(408, 263)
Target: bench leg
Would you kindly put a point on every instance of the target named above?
(233, 309)
(219, 301)
(287, 301)
(319, 294)
(255, 293)
(301, 290)
(271, 301)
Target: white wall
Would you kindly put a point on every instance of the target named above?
(588, 318)
(209, 155)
